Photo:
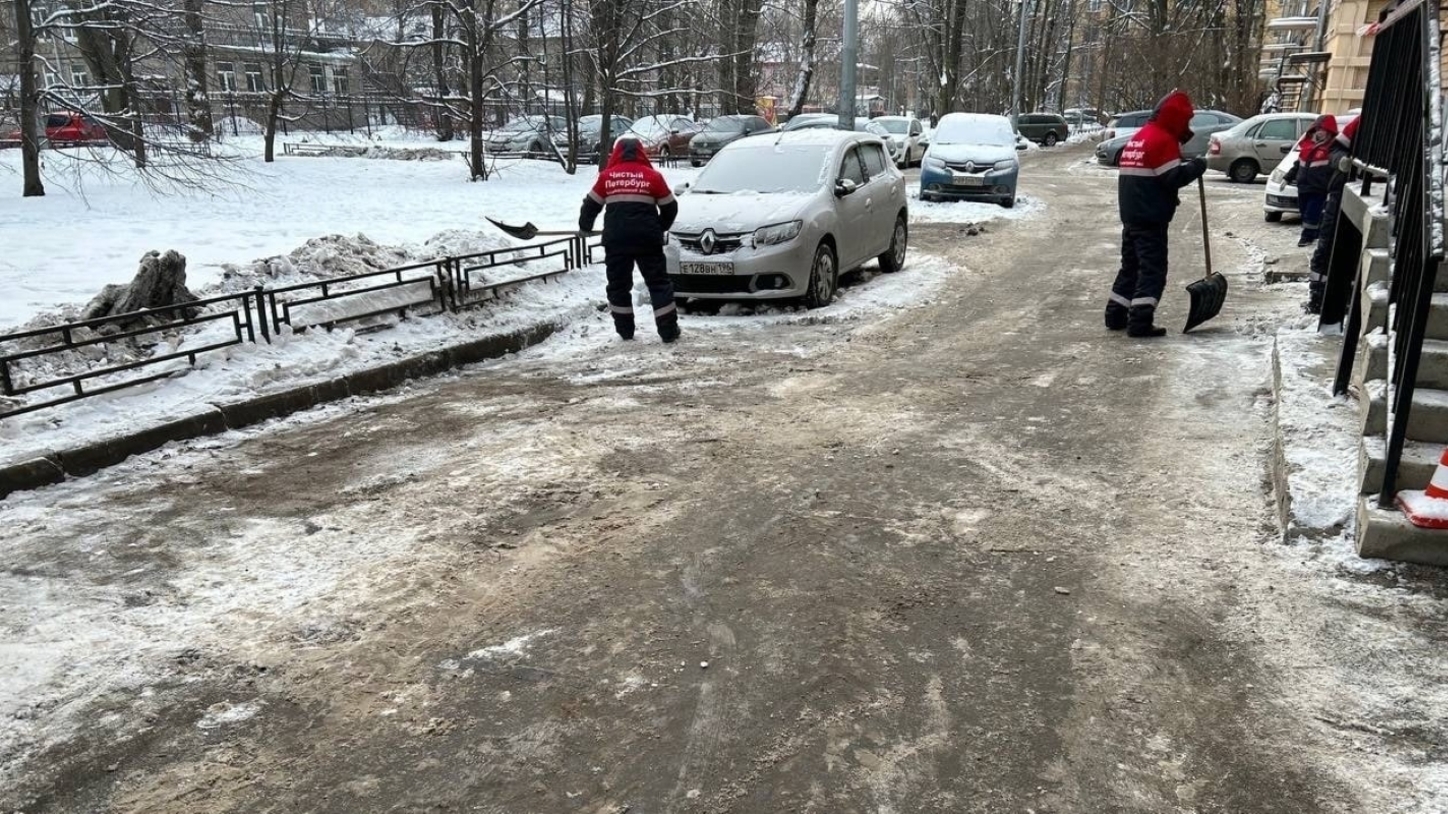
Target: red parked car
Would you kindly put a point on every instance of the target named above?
(64, 130)
(665, 136)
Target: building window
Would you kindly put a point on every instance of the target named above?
(79, 78)
(50, 78)
(226, 76)
(259, 15)
(253, 77)
(319, 78)
(339, 81)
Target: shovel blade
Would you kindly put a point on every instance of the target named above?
(525, 232)
(1208, 295)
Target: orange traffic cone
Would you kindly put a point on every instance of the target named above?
(1428, 508)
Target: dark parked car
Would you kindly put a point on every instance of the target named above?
(1043, 128)
(589, 128)
(721, 131)
(665, 136)
(804, 120)
(1204, 124)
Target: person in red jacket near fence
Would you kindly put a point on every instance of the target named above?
(1313, 175)
(1152, 171)
(640, 208)
(1341, 162)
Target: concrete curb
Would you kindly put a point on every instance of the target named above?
(56, 466)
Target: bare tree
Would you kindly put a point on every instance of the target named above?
(29, 101)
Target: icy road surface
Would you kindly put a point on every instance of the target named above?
(962, 551)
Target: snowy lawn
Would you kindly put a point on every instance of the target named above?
(92, 228)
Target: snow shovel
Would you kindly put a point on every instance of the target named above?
(1209, 293)
(528, 231)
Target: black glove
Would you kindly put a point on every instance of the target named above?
(1199, 166)
(1291, 176)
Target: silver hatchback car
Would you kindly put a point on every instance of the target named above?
(784, 215)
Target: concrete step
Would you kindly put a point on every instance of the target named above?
(1414, 470)
(1427, 421)
(1375, 266)
(1372, 362)
(1375, 227)
(1437, 327)
(1375, 308)
(1387, 534)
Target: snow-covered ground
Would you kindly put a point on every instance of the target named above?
(93, 227)
(971, 211)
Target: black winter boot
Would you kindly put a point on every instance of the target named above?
(669, 329)
(1140, 323)
(1116, 316)
(1314, 298)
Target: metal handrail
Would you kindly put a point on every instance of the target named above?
(1401, 131)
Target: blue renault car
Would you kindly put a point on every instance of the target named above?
(972, 156)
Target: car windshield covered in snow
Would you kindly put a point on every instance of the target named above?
(764, 168)
(897, 127)
(726, 124)
(970, 130)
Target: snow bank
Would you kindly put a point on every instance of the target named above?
(971, 211)
(92, 230)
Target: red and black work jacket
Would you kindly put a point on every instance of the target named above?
(639, 205)
(1313, 172)
(1152, 169)
(1342, 148)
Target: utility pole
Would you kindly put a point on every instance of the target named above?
(1020, 68)
(848, 56)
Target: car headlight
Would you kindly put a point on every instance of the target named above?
(1278, 176)
(777, 233)
(1007, 164)
(933, 163)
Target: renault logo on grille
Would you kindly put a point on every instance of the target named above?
(707, 241)
(970, 166)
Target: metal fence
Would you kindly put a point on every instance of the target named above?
(1399, 143)
(450, 283)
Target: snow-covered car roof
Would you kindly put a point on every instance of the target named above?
(811, 135)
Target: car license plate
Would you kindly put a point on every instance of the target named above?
(707, 268)
(963, 180)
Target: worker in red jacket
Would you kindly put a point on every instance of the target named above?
(1341, 162)
(1313, 175)
(640, 208)
(1152, 171)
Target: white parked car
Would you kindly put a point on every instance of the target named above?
(905, 140)
(785, 215)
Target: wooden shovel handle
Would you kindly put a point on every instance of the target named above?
(1206, 233)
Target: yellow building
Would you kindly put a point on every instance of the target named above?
(1347, 71)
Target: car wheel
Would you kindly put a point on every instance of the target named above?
(664, 151)
(1243, 171)
(1009, 203)
(1051, 140)
(1273, 217)
(894, 257)
(1116, 159)
(824, 278)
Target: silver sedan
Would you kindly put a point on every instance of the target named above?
(785, 215)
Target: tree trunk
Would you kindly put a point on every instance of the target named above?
(950, 61)
(198, 102)
(444, 113)
(273, 115)
(477, 170)
(806, 59)
(29, 102)
(745, 34)
(138, 133)
(160, 282)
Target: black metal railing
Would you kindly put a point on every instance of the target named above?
(1399, 143)
(43, 345)
(447, 284)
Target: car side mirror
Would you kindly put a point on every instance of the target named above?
(845, 186)
(1020, 145)
(682, 188)
(673, 132)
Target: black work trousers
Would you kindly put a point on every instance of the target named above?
(1142, 278)
(619, 266)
